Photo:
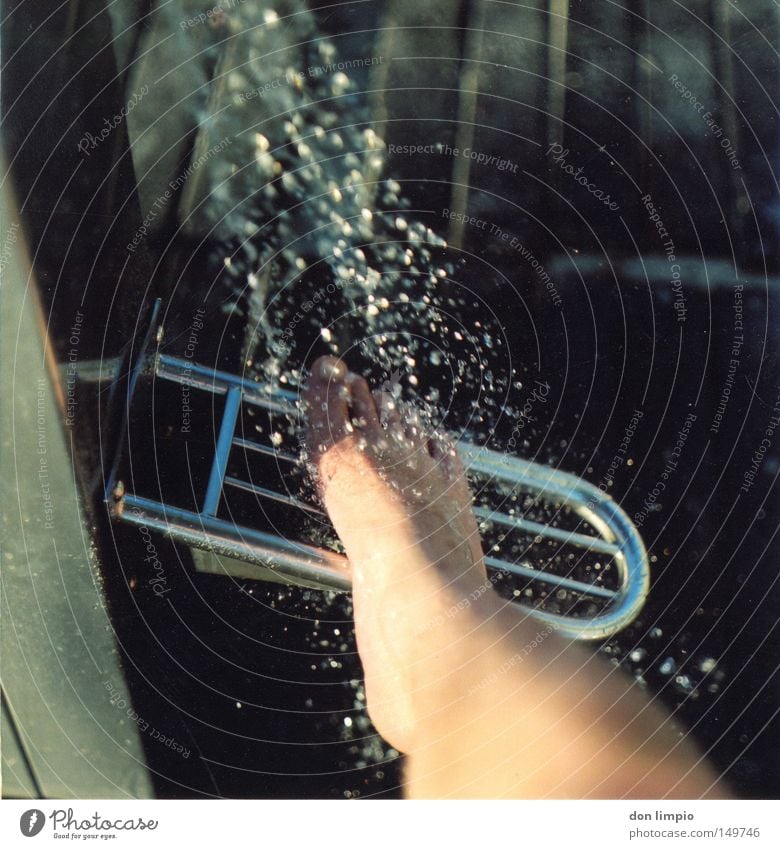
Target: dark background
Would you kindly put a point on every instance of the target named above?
(613, 346)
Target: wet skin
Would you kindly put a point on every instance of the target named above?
(484, 700)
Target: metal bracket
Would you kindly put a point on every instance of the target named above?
(601, 527)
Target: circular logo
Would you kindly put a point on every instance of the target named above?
(31, 822)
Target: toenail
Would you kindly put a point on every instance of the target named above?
(331, 369)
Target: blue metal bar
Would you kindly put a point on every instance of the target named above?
(538, 529)
(281, 497)
(267, 450)
(224, 440)
(136, 368)
(301, 561)
(548, 578)
(218, 382)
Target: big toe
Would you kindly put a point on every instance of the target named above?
(326, 396)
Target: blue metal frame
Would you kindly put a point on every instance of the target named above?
(319, 567)
(224, 444)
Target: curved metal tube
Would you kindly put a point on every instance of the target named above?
(315, 566)
(593, 506)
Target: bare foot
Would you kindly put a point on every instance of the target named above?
(399, 500)
(455, 678)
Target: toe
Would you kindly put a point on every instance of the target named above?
(389, 415)
(326, 397)
(413, 427)
(438, 447)
(447, 455)
(364, 411)
(449, 461)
